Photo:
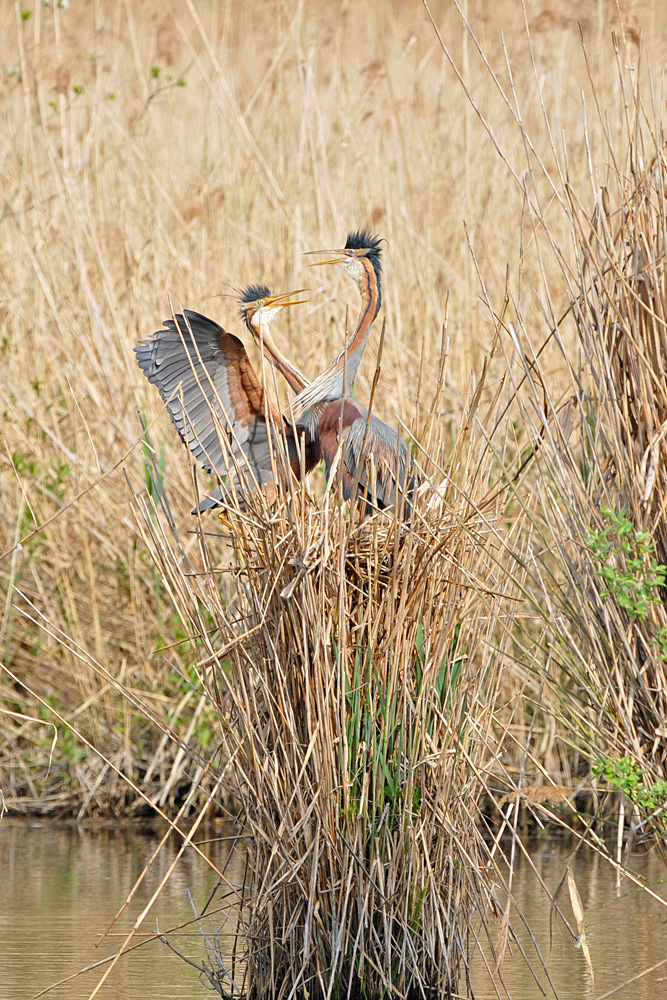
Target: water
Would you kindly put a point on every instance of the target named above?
(60, 887)
(626, 933)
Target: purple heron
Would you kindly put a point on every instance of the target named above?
(327, 408)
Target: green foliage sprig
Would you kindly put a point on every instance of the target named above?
(626, 775)
(626, 562)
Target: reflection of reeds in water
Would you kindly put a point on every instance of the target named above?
(355, 665)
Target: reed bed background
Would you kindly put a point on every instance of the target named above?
(599, 456)
(375, 697)
(180, 150)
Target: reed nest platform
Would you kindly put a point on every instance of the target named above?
(353, 663)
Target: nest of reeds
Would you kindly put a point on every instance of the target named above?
(354, 662)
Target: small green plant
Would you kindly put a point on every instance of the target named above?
(626, 775)
(56, 483)
(24, 465)
(154, 471)
(383, 744)
(626, 562)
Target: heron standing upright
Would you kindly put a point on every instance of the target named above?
(328, 409)
(217, 403)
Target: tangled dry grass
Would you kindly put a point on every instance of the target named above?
(355, 667)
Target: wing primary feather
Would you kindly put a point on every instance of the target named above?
(187, 361)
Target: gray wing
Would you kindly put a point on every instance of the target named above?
(379, 453)
(213, 395)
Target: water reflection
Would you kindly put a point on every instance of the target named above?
(60, 887)
(627, 934)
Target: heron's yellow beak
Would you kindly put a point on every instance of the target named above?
(279, 301)
(332, 260)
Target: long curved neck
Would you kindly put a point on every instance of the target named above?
(296, 380)
(350, 359)
(339, 377)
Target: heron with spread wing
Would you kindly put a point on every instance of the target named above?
(217, 403)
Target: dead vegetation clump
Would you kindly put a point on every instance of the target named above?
(355, 665)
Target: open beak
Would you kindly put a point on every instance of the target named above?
(279, 301)
(331, 260)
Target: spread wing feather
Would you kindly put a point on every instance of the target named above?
(213, 395)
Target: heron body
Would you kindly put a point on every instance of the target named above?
(373, 455)
(364, 440)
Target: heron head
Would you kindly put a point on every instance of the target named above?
(359, 244)
(259, 307)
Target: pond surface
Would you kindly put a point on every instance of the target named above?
(626, 932)
(60, 887)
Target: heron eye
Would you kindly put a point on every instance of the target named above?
(260, 303)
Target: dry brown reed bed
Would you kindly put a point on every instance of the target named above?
(123, 185)
(602, 483)
(357, 686)
(355, 666)
(597, 551)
